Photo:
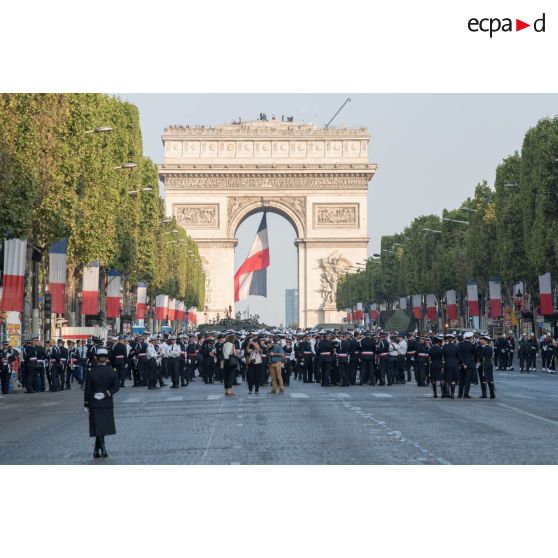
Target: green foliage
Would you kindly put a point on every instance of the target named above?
(58, 182)
(512, 232)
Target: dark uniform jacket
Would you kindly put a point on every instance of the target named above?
(101, 379)
(466, 354)
(367, 348)
(325, 350)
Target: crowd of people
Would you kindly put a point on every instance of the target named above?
(447, 362)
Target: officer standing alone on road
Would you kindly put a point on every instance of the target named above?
(102, 383)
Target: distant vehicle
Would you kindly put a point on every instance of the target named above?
(325, 326)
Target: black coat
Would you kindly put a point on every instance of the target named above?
(101, 379)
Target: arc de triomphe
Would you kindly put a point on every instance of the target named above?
(316, 178)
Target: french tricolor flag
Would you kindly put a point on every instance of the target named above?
(161, 304)
(473, 299)
(114, 281)
(417, 306)
(58, 260)
(431, 312)
(141, 301)
(359, 313)
(90, 290)
(403, 303)
(15, 253)
(545, 291)
(374, 312)
(451, 305)
(172, 309)
(192, 317)
(251, 276)
(180, 313)
(495, 298)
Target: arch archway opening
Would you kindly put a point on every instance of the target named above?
(282, 273)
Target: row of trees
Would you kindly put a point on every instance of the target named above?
(58, 181)
(510, 231)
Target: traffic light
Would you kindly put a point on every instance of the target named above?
(47, 304)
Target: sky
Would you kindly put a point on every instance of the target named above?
(431, 151)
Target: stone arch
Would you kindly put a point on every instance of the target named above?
(293, 211)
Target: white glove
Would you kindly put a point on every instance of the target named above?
(99, 396)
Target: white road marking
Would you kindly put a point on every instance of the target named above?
(235, 462)
(382, 395)
(296, 395)
(239, 424)
(237, 447)
(175, 398)
(215, 397)
(133, 400)
(341, 395)
(49, 404)
(522, 412)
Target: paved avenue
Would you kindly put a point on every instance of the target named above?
(401, 424)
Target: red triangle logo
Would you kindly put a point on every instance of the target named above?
(519, 25)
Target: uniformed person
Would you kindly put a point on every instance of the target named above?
(466, 356)
(4, 367)
(343, 360)
(29, 355)
(101, 384)
(523, 352)
(410, 355)
(207, 352)
(118, 357)
(65, 372)
(486, 372)
(421, 361)
(192, 350)
(326, 351)
(382, 353)
(173, 356)
(436, 362)
(367, 355)
(306, 357)
(451, 365)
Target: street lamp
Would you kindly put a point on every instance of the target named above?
(397, 244)
(126, 166)
(432, 231)
(511, 185)
(470, 209)
(140, 190)
(99, 130)
(455, 221)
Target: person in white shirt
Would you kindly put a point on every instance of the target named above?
(152, 356)
(173, 359)
(402, 350)
(393, 358)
